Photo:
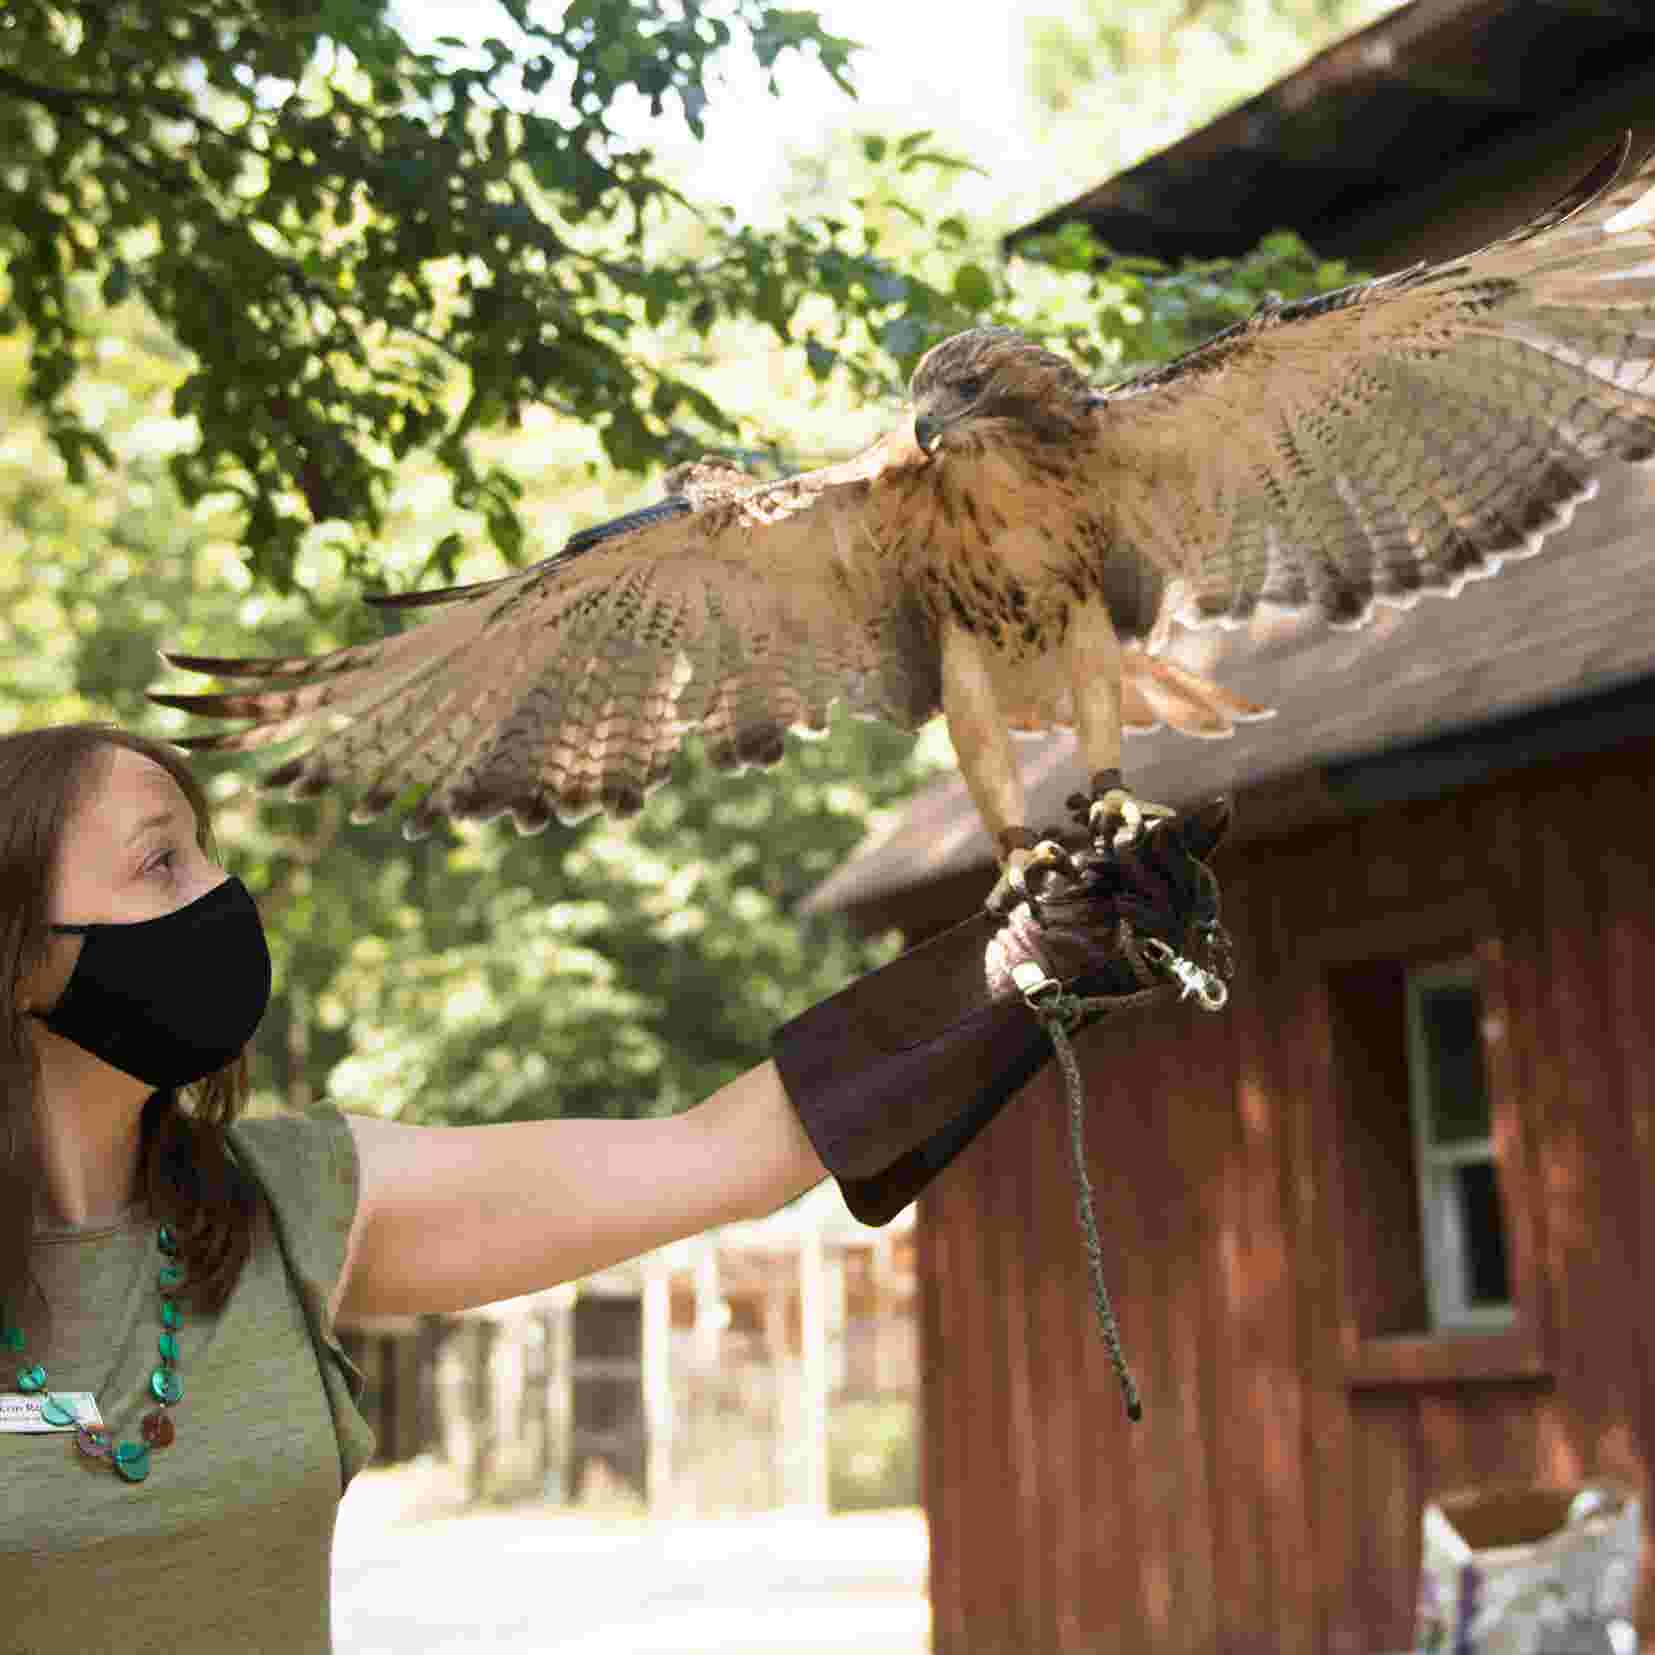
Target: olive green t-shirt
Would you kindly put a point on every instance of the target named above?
(225, 1547)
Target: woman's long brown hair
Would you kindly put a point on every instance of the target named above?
(185, 1172)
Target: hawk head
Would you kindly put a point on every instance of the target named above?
(996, 374)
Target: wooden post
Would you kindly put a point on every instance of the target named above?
(813, 1336)
(560, 1361)
(782, 1393)
(534, 1412)
(403, 1386)
(479, 1394)
(880, 1270)
(657, 1381)
(428, 1341)
(709, 1306)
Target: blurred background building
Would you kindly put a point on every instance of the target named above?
(763, 1365)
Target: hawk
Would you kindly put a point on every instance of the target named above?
(1014, 553)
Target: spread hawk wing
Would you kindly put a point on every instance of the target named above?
(1399, 436)
(568, 687)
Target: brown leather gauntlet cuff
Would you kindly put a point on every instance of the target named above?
(892, 1079)
(896, 1074)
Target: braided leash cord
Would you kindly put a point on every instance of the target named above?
(1060, 1014)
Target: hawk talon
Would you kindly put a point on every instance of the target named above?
(1136, 816)
(1044, 857)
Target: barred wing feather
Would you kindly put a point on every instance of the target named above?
(569, 687)
(1400, 436)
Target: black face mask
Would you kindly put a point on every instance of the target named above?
(169, 1000)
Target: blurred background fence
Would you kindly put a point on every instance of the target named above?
(759, 1366)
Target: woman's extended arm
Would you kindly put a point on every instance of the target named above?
(886, 1082)
(451, 1216)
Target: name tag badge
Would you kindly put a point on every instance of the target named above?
(22, 1413)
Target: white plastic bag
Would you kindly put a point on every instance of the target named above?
(1529, 1571)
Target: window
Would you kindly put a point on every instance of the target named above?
(1468, 1279)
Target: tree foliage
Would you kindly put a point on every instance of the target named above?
(342, 229)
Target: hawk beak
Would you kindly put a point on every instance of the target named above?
(927, 428)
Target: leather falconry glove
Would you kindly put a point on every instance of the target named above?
(895, 1075)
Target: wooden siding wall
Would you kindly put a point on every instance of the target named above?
(1270, 1499)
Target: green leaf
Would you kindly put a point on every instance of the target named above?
(820, 358)
(904, 338)
(117, 283)
(444, 557)
(973, 287)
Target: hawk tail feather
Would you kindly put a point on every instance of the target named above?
(1157, 691)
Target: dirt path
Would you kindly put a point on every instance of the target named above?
(544, 1579)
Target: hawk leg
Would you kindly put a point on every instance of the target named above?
(982, 743)
(1115, 816)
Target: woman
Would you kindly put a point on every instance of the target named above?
(168, 1269)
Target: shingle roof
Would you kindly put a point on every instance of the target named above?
(1326, 146)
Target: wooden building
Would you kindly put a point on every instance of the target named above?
(1378, 1230)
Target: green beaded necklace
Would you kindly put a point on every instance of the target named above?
(129, 1459)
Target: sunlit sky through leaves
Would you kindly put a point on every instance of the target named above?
(923, 67)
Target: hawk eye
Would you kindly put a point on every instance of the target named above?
(971, 387)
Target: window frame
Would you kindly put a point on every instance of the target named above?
(1458, 923)
(1434, 1163)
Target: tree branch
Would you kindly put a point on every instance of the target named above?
(62, 104)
